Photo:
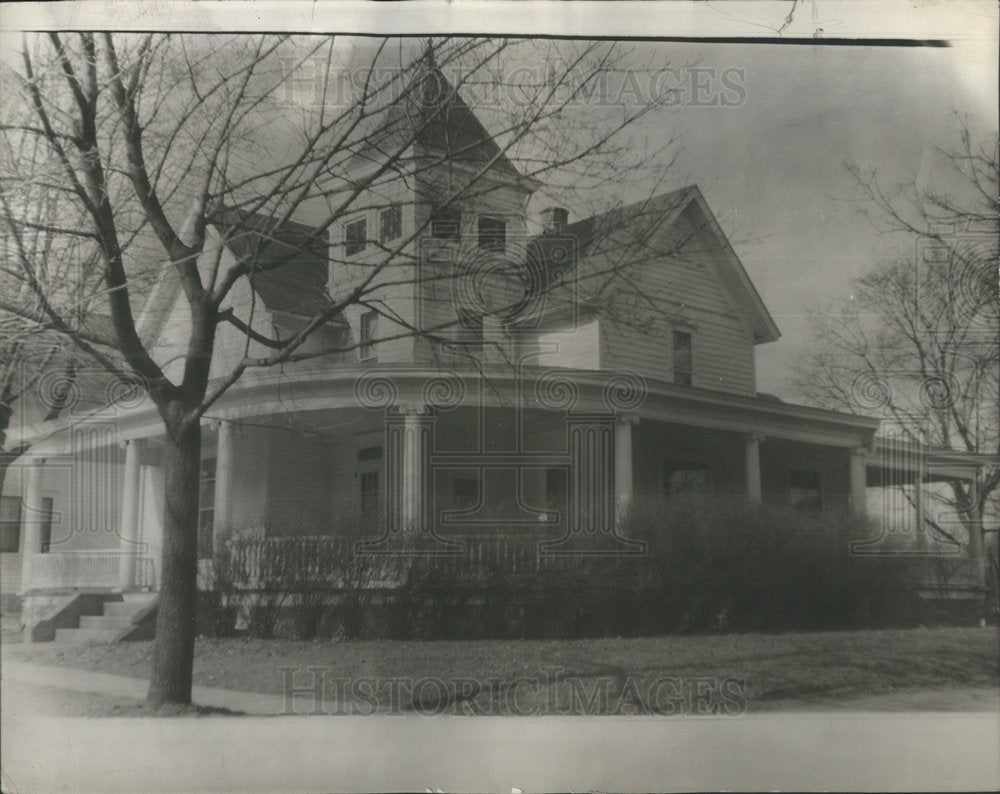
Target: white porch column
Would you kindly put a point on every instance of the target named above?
(224, 476)
(751, 446)
(31, 518)
(418, 429)
(976, 533)
(859, 481)
(623, 463)
(128, 527)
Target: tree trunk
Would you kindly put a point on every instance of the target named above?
(173, 648)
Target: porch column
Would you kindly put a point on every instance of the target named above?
(224, 475)
(623, 462)
(418, 438)
(591, 486)
(976, 533)
(751, 447)
(31, 518)
(859, 481)
(128, 527)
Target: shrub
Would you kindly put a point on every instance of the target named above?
(725, 563)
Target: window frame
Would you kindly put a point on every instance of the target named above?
(367, 333)
(394, 212)
(361, 244)
(491, 241)
(206, 529)
(671, 465)
(682, 377)
(10, 528)
(804, 490)
(45, 528)
(369, 466)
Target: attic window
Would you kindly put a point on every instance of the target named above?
(446, 224)
(492, 234)
(683, 358)
(355, 236)
(390, 223)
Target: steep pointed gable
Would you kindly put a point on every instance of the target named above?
(432, 114)
(291, 277)
(291, 271)
(607, 244)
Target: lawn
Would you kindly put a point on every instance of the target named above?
(722, 674)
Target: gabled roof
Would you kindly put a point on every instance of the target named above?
(432, 114)
(292, 278)
(293, 267)
(628, 234)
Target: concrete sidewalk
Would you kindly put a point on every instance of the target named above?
(960, 699)
(123, 686)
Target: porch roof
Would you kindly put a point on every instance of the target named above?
(320, 386)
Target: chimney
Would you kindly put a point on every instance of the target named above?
(554, 220)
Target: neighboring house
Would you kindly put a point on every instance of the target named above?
(568, 372)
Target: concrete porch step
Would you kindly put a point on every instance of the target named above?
(77, 636)
(105, 621)
(138, 598)
(133, 603)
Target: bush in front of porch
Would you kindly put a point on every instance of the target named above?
(711, 564)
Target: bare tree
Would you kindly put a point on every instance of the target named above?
(192, 159)
(919, 338)
(37, 361)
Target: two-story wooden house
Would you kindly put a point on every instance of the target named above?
(515, 374)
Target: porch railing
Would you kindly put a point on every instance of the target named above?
(276, 562)
(98, 568)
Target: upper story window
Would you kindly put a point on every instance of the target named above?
(390, 223)
(10, 523)
(446, 224)
(683, 358)
(355, 237)
(492, 234)
(369, 330)
(804, 489)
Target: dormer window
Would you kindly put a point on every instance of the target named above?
(446, 224)
(355, 237)
(683, 358)
(492, 234)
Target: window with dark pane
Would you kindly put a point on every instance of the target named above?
(685, 478)
(45, 535)
(683, 358)
(355, 237)
(369, 330)
(10, 523)
(492, 234)
(390, 225)
(368, 482)
(805, 489)
(206, 509)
